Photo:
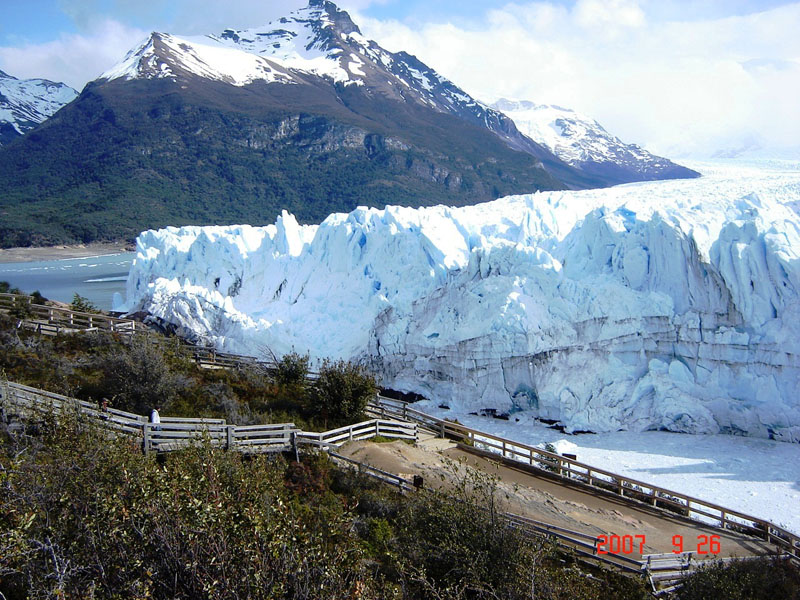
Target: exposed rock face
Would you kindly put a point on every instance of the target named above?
(668, 305)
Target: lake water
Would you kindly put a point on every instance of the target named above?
(94, 277)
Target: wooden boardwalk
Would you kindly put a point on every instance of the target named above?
(20, 402)
(599, 481)
(392, 419)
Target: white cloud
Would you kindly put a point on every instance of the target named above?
(73, 58)
(608, 16)
(673, 86)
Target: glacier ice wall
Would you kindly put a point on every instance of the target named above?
(668, 305)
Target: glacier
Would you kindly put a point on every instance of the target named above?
(668, 305)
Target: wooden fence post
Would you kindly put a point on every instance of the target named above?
(5, 399)
(230, 441)
(293, 438)
(146, 438)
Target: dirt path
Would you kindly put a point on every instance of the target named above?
(545, 500)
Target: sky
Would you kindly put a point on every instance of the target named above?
(682, 78)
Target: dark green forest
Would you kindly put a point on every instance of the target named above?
(130, 156)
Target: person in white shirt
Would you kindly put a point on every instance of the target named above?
(155, 419)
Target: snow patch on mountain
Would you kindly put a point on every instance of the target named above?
(304, 42)
(670, 305)
(164, 56)
(24, 103)
(575, 138)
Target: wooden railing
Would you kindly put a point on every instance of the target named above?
(54, 319)
(360, 431)
(173, 433)
(600, 480)
(549, 463)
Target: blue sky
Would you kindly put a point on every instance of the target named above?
(37, 21)
(676, 76)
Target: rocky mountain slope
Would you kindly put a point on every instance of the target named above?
(583, 143)
(24, 103)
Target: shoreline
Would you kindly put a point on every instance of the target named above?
(42, 253)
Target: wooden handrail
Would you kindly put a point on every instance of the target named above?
(586, 474)
(174, 432)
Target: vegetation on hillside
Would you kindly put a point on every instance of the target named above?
(86, 516)
(148, 370)
(130, 156)
(765, 579)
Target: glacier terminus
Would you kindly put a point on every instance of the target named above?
(669, 305)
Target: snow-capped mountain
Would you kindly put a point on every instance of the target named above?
(669, 305)
(323, 41)
(302, 114)
(24, 103)
(582, 142)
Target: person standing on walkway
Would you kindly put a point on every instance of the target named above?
(155, 419)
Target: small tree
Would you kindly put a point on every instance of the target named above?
(82, 304)
(292, 369)
(139, 377)
(342, 391)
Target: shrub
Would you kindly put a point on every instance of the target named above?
(87, 516)
(139, 376)
(458, 545)
(759, 579)
(292, 369)
(82, 304)
(341, 392)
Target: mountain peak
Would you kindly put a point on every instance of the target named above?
(305, 39)
(339, 19)
(582, 142)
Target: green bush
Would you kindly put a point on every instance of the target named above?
(139, 376)
(341, 392)
(87, 516)
(292, 370)
(760, 579)
(82, 304)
